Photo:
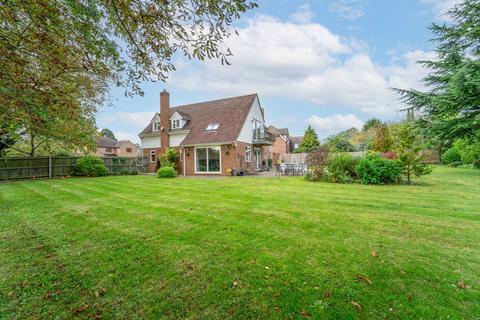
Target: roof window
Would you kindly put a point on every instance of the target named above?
(212, 127)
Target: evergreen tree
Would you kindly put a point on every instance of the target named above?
(409, 152)
(451, 106)
(310, 140)
(383, 141)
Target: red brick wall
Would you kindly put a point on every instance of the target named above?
(280, 146)
(232, 156)
(229, 159)
(151, 165)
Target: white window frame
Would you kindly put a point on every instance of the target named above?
(248, 154)
(176, 124)
(156, 126)
(208, 172)
(154, 153)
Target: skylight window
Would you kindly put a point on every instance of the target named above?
(212, 126)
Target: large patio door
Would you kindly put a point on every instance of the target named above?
(258, 157)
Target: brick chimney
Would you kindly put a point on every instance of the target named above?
(164, 120)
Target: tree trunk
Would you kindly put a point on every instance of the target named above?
(32, 146)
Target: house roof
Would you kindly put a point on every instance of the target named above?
(106, 142)
(276, 131)
(296, 140)
(229, 113)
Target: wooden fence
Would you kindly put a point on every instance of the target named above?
(48, 167)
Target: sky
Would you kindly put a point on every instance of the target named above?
(330, 64)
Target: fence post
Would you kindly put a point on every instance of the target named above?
(49, 166)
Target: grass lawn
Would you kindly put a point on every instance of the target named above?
(245, 248)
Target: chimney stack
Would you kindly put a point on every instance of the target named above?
(164, 120)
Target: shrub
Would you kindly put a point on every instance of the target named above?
(167, 172)
(89, 166)
(170, 158)
(456, 163)
(315, 174)
(450, 156)
(375, 170)
(340, 168)
(317, 158)
(468, 149)
(390, 155)
(476, 163)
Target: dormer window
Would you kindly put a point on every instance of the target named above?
(176, 124)
(212, 127)
(156, 126)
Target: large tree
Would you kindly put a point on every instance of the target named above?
(107, 133)
(58, 57)
(451, 106)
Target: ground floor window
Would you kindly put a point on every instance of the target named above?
(248, 153)
(207, 159)
(153, 156)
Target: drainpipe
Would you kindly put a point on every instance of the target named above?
(184, 163)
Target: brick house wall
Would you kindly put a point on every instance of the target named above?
(280, 146)
(124, 147)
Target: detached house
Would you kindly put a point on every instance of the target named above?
(211, 137)
(108, 147)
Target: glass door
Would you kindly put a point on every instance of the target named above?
(258, 155)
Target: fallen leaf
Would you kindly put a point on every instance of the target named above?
(305, 314)
(363, 278)
(96, 294)
(104, 291)
(356, 305)
(82, 308)
(327, 294)
(267, 268)
(374, 254)
(61, 266)
(462, 285)
(235, 283)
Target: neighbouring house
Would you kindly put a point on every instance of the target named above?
(108, 147)
(282, 144)
(211, 137)
(295, 142)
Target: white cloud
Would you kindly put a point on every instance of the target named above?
(303, 15)
(120, 135)
(303, 62)
(440, 7)
(347, 9)
(326, 126)
(134, 120)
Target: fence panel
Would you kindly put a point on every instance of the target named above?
(293, 158)
(43, 167)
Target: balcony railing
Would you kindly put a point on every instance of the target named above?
(262, 137)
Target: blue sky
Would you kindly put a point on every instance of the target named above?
(327, 63)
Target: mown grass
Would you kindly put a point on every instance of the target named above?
(241, 248)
